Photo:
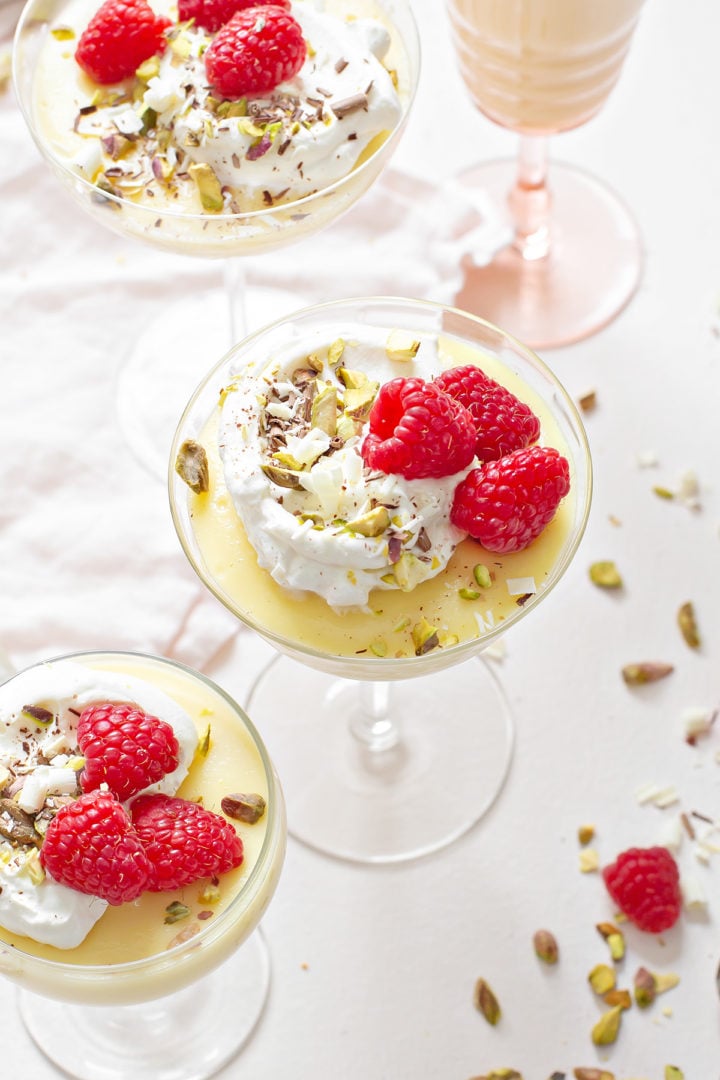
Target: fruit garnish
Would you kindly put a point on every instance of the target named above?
(503, 422)
(212, 14)
(418, 431)
(91, 846)
(183, 841)
(645, 884)
(124, 748)
(506, 504)
(255, 51)
(121, 35)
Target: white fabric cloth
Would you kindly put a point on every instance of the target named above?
(88, 555)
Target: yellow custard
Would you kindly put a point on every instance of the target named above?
(385, 630)
(127, 935)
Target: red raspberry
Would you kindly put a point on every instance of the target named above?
(212, 14)
(124, 748)
(118, 38)
(183, 841)
(90, 845)
(645, 884)
(416, 430)
(503, 422)
(256, 51)
(505, 504)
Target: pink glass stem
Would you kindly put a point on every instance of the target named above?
(530, 199)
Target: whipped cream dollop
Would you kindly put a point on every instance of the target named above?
(290, 436)
(303, 137)
(39, 767)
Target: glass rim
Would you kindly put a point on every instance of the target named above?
(381, 666)
(262, 213)
(215, 927)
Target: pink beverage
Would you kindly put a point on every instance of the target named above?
(541, 66)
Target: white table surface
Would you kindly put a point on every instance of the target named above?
(373, 968)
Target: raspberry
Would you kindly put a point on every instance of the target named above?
(183, 841)
(90, 845)
(506, 504)
(255, 51)
(645, 884)
(124, 748)
(503, 422)
(118, 38)
(418, 431)
(212, 14)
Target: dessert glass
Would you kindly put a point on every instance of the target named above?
(385, 758)
(539, 67)
(166, 359)
(173, 1014)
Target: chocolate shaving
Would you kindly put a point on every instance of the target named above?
(341, 64)
(349, 105)
(39, 713)
(423, 541)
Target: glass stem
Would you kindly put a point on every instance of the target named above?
(530, 200)
(235, 278)
(371, 722)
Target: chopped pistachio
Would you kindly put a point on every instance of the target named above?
(352, 380)
(688, 625)
(468, 594)
(602, 979)
(546, 946)
(586, 833)
(644, 987)
(408, 571)
(485, 1002)
(148, 69)
(209, 894)
(242, 807)
(401, 345)
(175, 912)
(482, 575)
(203, 743)
(607, 1028)
(372, 523)
(191, 465)
(284, 478)
(16, 825)
(593, 1074)
(401, 625)
(605, 575)
(646, 672)
(379, 648)
(614, 937)
(33, 867)
(425, 637)
(208, 186)
(335, 352)
(589, 860)
(665, 981)
(673, 1073)
(63, 33)
(504, 1074)
(618, 997)
(588, 401)
(358, 401)
(324, 409)
(38, 714)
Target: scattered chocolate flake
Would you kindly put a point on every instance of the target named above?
(39, 713)
(522, 600)
(267, 198)
(349, 105)
(687, 825)
(341, 64)
(702, 817)
(352, 136)
(423, 541)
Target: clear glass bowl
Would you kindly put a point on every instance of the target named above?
(225, 234)
(169, 1014)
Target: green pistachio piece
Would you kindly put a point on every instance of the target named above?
(324, 409)
(208, 186)
(372, 523)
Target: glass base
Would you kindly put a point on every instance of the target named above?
(591, 273)
(436, 769)
(173, 354)
(185, 1036)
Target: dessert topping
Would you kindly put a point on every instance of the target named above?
(645, 884)
(546, 946)
(124, 748)
(118, 38)
(212, 14)
(247, 808)
(486, 1002)
(191, 465)
(605, 575)
(255, 51)
(503, 423)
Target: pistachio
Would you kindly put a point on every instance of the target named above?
(314, 362)
(352, 380)
(63, 33)
(284, 478)
(203, 745)
(425, 637)
(665, 981)
(287, 461)
(407, 571)
(644, 986)
(616, 945)
(673, 1073)
(335, 352)
(15, 825)
(607, 1028)
(623, 998)
(148, 69)
(468, 594)
(486, 1002)
(33, 867)
(379, 648)
(504, 1074)
(358, 401)
(602, 979)
(586, 833)
(175, 912)
(401, 345)
(589, 860)
(688, 625)
(191, 465)
(593, 1074)
(373, 523)
(482, 575)
(347, 427)
(663, 492)
(546, 947)
(247, 808)
(209, 894)
(588, 401)
(323, 414)
(208, 185)
(645, 672)
(605, 575)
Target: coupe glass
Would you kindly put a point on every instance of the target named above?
(539, 67)
(168, 357)
(182, 1013)
(384, 757)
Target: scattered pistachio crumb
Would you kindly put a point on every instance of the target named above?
(546, 946)
(663, 492)
(647, 671)
(607, 1028)
(688, 625)
(586, 833)
(673, 1073)
(605, 575)
(209, 894)
(482, 576)
(485, 1002)
(589, 860)
(602, 979)
(588, 401)
(468, 594)
(175, 912)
